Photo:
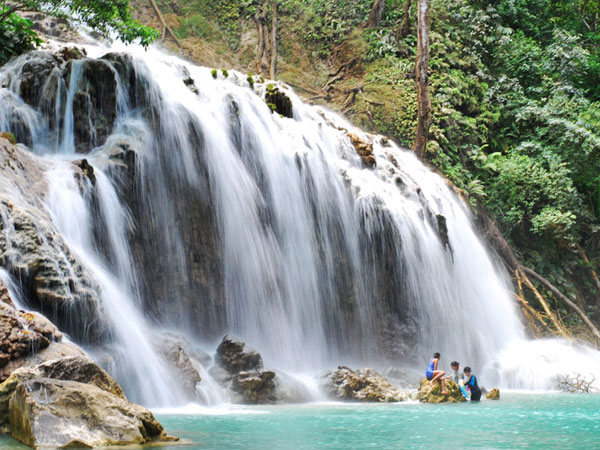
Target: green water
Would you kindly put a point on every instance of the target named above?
(517, 421)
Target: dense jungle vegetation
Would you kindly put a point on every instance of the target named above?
(515, 91)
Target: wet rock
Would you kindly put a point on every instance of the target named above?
(433, 394)
(54, 280)
(34, 75)
(95, 103)
(255, 387)
(45, 412)
(364, 149)
(69, 53)
(494, 394)
(185, 362)
(87, 171)
(233, 356)
(364, 385)
(278, 101)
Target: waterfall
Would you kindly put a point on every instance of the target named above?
(210, 213)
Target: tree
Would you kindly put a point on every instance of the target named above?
(103, 16)
(422, 67)
(266, 48)
(376, 13)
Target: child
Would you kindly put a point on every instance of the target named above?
(471, 383)
(433, 374)
(456, 375)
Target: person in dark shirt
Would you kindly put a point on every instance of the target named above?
(471, 383)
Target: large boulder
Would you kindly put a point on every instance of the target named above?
(363, 385)
(433, 394)
(239, 370)
(71, 401)
(255, 387)
(45, 412)
(72, 368)
(233, 356)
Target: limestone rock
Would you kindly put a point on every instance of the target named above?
(185, 362)
(365, 385)
(234, 356)
(73, 368)
(256, 387)
(364, 149)
(429, 394)
(494, 394)
(33, 250)
(45, 412)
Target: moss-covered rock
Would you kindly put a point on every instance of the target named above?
(363, 385)
(278, 101)
(433, 394)
(494, 394)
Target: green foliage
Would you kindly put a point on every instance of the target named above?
(16, 36)
(250, 80)
(103, 16)
(214, 73)
(225, 73)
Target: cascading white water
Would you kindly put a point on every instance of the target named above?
(321, 260)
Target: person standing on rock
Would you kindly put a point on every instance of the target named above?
(471, 383)
(433, 374)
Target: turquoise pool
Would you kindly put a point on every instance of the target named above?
(517, 421)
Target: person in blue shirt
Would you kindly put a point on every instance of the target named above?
(471, 383)
(433, 374)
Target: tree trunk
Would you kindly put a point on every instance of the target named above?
(273, 67)
(260, 46)
(405, 26)
(422, 67)
(565, 299)
(376, 13)
(166, 29)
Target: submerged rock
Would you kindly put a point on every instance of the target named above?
(364, 385)
(433, 394)
(494, 394)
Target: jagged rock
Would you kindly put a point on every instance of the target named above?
(69, 53)
(21, 333)
(34, 75)
(94, 102)
(45, 412)
(364, 385)
(184, 361)
(429, 394)
(364, 149)
(494, 394)
(234, 356)
(32, 249)
(86, 170)
(256, 387)
(278, 101)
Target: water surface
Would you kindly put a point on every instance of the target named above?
(517, 421)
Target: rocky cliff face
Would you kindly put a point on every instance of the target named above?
(53, 278)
